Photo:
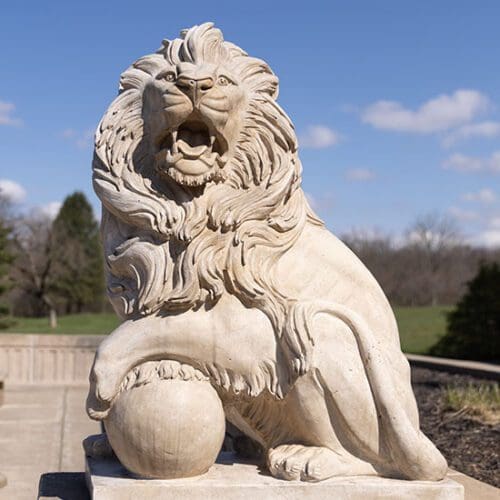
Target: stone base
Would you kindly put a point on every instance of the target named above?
(235, 480)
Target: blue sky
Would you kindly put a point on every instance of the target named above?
(396, 104)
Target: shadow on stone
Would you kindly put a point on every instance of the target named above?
(63, 486)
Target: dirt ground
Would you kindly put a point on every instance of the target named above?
(470, 446)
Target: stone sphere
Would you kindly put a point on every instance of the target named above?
(167, 428)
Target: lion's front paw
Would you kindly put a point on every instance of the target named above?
(96, 408)
(295, 462)
(104, 385)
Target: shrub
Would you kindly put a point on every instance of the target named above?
(473, 330)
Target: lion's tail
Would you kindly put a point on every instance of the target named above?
(412, 453)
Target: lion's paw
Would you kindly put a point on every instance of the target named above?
(294, 462)
(104, 385)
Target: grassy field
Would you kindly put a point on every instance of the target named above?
(419, 327)
(71, 324)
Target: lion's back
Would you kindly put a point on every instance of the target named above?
(320, 266)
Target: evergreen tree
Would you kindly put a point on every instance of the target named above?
(6, 259)
(474, 326)
(79, 281)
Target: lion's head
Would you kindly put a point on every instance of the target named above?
(197, 169)
(198, 112)
(195, 102)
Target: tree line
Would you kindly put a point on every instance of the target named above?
(53, 267)
(50, 267)
(431, 265)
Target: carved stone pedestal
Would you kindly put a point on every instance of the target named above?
(227, 479)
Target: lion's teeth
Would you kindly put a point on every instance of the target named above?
(212, 140)
(173, 158)
(174, 141)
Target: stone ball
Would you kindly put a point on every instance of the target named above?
(166, 427)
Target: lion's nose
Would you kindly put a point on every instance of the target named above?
(194, 87)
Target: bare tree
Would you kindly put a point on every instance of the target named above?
(433, 239)
(34, 266)
(434, 233)
(430, 265)
(376, 249)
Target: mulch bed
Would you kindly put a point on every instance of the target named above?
(470, 446)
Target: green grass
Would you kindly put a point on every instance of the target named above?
(420, 327)
(71, 324)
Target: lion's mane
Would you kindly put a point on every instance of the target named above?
(170, 247)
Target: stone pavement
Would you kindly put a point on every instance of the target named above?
(41, 430)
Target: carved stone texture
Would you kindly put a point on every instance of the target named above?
(215, 259)
(231, 479)
(181, 437)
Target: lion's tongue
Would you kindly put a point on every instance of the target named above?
(191, 143)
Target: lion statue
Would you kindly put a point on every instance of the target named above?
(214, 258)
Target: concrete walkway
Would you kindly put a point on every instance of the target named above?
(41, 430)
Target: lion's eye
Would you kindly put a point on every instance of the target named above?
(168, 76)
(223, 81)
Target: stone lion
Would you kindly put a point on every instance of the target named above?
(214, 258)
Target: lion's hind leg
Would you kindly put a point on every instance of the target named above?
(295, 462)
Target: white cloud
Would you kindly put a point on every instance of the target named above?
(13, 191)
(436, 115)
(6, 118)
(51, 209)
(319, 137)
(81, 139)
(471, 130)
(482, 196)
(463, 215)
(359, 174)
(463, 163)
(490, 238)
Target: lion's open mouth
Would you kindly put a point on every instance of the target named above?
(192, 150)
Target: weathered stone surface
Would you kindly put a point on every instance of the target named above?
(182, 437)
(227, 480)
(216, 260)
(41, 429)
(47, 359)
